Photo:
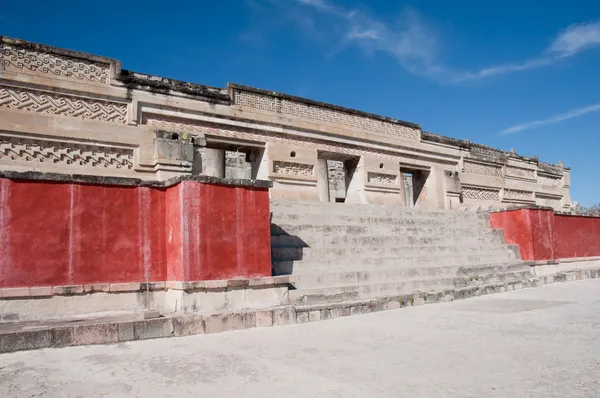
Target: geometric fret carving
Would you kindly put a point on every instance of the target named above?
(380, 178)
(293, 169)
(520, 172)
(480, 194)
(483, 169)
(65, 154)
(547, 200)
(19, 59)
(516, 194)
(323, 115)
(550, 181)
(55, 104)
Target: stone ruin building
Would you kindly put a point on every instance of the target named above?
(235, 207)
(64, 111)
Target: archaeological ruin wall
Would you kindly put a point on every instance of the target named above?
(67, 112)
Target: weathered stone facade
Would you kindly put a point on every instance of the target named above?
(64, 111)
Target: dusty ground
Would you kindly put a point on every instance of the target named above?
(542, 342)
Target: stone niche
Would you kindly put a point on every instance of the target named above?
(293, 171)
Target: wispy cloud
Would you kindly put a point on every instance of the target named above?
(552, 120)
(416, 46)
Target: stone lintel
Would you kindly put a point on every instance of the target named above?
(130, 182)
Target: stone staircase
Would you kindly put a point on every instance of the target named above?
(338, 253)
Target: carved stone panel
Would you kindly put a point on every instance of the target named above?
(483, 169)
(473, 193)
(380, 178)
(293, 169)
(520, 172)
(56, 154)
(322, 114)
(19, 59)
(59, 104)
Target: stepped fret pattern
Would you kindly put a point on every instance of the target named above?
(325, 115)
(12, 58)
(483, 169)
(480, 194)
(550, 181)
(517, 194)
(547, 200)
(65, 154)
(520, 172)
(56, 104)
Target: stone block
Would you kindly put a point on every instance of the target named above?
(392, 305)
(99, 287)
(418, 300)
(284, 315)
(238, 283)
(188, 325)
(335, 313)
(314, 316)
(25, 340)
(325, 314)
(216, 284)
(357, 309)
(15, 292)
(68, 290)
(43, 291)
(152, 328)
(62, 337)
(345, 311)
(302, 317)
(153, 286)
(235, 298)
(229, 321)
(125, 287)
(264, 318)
(105, 333)
(125, 331)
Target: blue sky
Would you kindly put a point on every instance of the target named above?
(510, 74)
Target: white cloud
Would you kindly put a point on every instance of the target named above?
(576, 38)
(415, 44)
(552, 120)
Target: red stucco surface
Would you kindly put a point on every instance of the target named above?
(577, 236)
(71, 234)
(543, 235)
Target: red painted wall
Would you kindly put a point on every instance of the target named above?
(517, 230)
(71, 234)
(577, 236)
(543, 235)
(224, 232)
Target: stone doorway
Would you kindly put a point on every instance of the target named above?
(413, 181)
(334, 176)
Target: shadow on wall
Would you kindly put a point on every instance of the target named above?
(285, 250)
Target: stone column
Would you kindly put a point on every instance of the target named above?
(323, 180)
(212, 162)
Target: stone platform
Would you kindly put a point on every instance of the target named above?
(110, 329)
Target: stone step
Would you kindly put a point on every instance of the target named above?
(344, 252)
(366, 209)
(383, 241)
(305, 281)
(378, 263)
(348, 292)
(357, 219)
(373, 230)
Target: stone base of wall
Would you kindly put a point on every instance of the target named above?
(18, 336)
(39, 303)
